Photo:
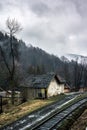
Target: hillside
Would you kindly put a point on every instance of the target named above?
(34, 56)
(33, 60)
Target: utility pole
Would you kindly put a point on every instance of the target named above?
(1, 104)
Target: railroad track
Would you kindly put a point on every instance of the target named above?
(51, 123)
(31, 121)
(32, 118)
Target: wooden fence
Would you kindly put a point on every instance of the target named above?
(7, 100)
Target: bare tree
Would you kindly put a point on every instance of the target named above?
(13, 27)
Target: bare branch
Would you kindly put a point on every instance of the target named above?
(13, 26)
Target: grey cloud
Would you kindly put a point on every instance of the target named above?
(81, 7)
(1, 7)
(51, 25)
(40, 8)
(72, 13)
(50, 7)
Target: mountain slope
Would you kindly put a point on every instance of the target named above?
(75, 57)
(33, 60)
(31, 56)
(35, 56)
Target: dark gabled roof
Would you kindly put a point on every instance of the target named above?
(1, 89)
(66, 86)
(60, 80)
(40, 81)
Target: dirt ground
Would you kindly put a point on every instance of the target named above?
(81, 123)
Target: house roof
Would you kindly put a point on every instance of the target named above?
(2, 90)
(41, 81)
(66, 86)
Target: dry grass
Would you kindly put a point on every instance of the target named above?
(81, 122)
(15, 112)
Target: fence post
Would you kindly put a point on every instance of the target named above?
(1, 104)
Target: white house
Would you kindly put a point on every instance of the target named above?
(42, 86)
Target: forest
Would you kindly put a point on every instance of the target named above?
(33, 60)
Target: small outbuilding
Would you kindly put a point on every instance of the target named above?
(83, 89)
(42, 86)
(2, 92)
(66, 88)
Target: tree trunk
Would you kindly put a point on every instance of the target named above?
(12, 71)
(12, 91)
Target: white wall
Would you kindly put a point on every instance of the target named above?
(54, 88)
(3, 94)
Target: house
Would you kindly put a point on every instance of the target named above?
(83, 89)
(66, 88)
(4, 93)
(42, 86)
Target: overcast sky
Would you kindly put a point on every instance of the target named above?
(57, 26)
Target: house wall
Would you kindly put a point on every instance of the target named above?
(55, 88)
(83, 89)
(30, 93)
(3, 93)
(66, 90)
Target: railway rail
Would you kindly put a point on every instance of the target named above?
(36, 119)
(52, 122)
(30, 119)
